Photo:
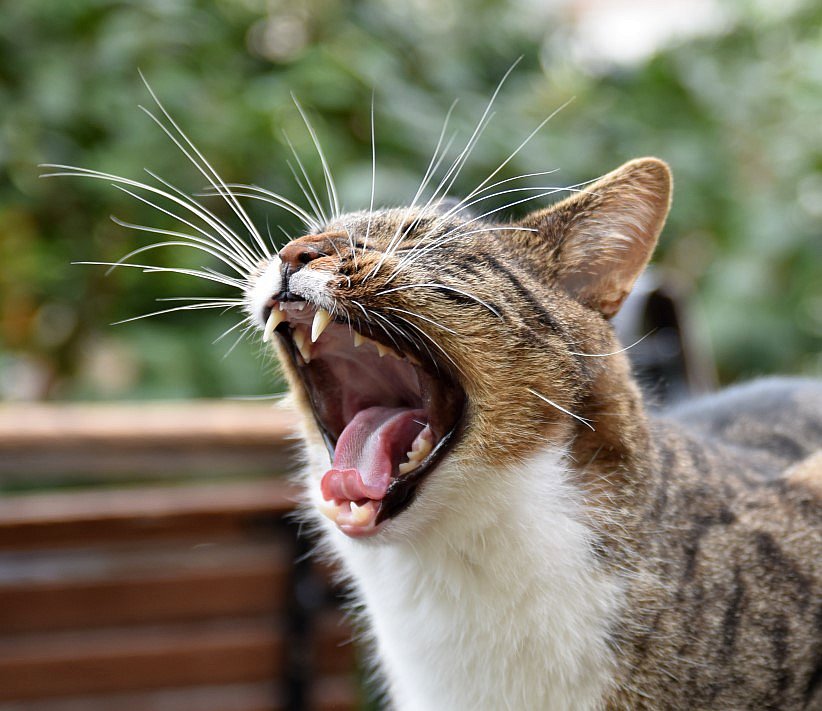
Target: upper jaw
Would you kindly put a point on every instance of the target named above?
(349, 377)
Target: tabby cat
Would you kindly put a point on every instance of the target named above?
(520, 533)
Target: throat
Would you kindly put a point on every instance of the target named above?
(515, 580)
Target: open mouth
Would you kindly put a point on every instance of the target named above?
(387, 411)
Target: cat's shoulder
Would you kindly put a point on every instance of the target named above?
(779, 418)
(764, 403)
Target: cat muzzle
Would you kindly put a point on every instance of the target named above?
(387, 412)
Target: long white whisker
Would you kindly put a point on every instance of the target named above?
(434, 285)
(313, 198)
(191, 241)
(422, 318)
(118, 181)
(187, 307)
(202, 298)
(517, 150)
(433, 166)
(416, 252)
(237, 325)
(239, 338)
(542, 397)
(462, 158)
(168, 243)
(613, 353)
(231, 239)
(273, 198)
(149, 268)
(442, 239)
(209, 173)
(373, 178)
(334, 203)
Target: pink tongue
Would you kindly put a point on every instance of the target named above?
(367, 451)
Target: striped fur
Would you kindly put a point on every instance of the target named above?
(696, 577)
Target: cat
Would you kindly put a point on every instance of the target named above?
(519, 533)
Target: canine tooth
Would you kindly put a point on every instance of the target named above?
(303, 344)
(359, 339)
(329, 509)
(385, 350)
(321, 319)
(406, 467)
(275, 319)
(360, 514)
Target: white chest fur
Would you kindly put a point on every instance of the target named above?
(497, 603)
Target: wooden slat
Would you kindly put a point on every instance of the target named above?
(38, 520)
(42, 666)
(333, 693)
(155, 438)
(231, 697)
(145, 599)
(333, 643)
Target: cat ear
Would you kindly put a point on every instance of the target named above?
(600, 239)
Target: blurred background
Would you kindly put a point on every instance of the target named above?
(730, 94)
(147, 555)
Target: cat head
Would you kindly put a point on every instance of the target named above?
(425, 347)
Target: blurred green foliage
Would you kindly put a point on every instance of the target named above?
(738, 115)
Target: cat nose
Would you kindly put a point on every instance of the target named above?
(295, 255)
(299, 252)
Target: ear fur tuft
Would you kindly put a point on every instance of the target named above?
(601, 238)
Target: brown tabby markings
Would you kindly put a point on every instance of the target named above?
(712, 516)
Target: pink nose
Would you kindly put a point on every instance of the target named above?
(299, 252)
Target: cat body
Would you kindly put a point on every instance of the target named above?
(517, 532)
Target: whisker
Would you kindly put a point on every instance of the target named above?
(373, 178)
(542, 397)
(415, 253)
(312, 198)
(247, 319)
(148, 268)
(231, 239)
(334, 203)
(210, 174)
(433, 166)
(441, 286)
(191, 241)
(485, 119)
(517, 149)
(118, 182)
(237, 342)
(621, 350)
(272, 197)
(423, 318)
(187, 307)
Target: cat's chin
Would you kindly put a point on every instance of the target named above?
(387, 411)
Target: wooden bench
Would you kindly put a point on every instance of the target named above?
(158, 583)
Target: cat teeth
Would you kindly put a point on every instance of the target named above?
(422, 445)
(420, 448)
(360, 514)
(275, 319)
(406, 467)
(386, 351)
(321, 320)
(382, 350)
(303, 343)
(329, 509)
